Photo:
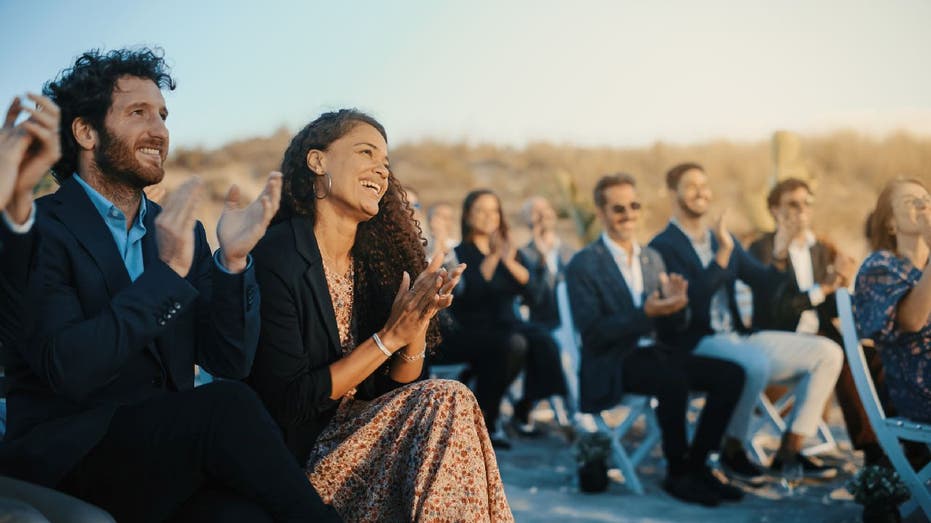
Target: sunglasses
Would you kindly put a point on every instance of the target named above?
(798, 205)
(919, 204)
(621, 209)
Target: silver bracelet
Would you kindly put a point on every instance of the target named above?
(381, 346)
(415, 357)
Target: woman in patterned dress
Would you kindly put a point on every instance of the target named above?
(893, 295)
(344, 336)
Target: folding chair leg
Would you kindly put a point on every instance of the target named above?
(911, 505)
(915, 481)
(619, 453)
(653, 437)
(827, 444)
(560, 411)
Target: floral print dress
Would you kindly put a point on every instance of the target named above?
(418, 453)
(883, 280)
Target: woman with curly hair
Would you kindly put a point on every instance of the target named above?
(344, 337)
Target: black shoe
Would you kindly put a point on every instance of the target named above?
(500, 442)
(739, 466)
(521, 421)
(724, 489)
(691, 489)
(525, 430)
(812, 467)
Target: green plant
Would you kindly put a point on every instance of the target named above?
(592, 447)
(877, 485)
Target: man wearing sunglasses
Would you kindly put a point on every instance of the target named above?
(621, 297)
(817, 269)
(712, 260)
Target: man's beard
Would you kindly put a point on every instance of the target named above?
(116, 160)
(688, 210)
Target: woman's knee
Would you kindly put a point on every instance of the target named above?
(517, 344)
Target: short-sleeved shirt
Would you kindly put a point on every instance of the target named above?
(883, 280)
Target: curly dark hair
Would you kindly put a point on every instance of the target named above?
(467, 204)
(385, 246)
(85, 90)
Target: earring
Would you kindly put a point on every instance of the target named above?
(329, 186)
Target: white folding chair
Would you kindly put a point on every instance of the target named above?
(632, 407)
(888, 430)
(771, 417)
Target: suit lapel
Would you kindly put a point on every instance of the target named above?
(306, 244)
(820, 259)
(685, 246)
(150, 240)
(613, 278)
(78, 214)
(650, 276)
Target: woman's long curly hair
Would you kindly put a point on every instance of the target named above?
(385, 246)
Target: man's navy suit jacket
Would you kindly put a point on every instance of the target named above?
(704, 282)
(609, 323)
(95, 340)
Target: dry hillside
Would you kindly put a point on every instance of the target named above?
(847, 170)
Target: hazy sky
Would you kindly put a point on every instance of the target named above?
(613, 72)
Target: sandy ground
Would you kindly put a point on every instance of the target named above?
(540, 480)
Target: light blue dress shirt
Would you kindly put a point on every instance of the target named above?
(128, 242)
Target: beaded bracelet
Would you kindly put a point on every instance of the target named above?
(415, 357)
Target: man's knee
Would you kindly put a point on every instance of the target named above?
(231, 396)
(227, 390)
(730, 377)
(830, 354)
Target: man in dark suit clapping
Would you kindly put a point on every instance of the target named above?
(621, 296)
(124, 298)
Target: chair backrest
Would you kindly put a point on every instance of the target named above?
(857, 360)
(569, 344)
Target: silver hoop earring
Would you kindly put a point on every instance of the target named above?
(329, 187)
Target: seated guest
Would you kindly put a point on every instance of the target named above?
(546, 258)
(27, 152)
(125, 297)
(620, 297)
(441, 224)
(893, 295)
(413, 200)
(712, 261)
(816, 269)
(344, 338)
(487, 330)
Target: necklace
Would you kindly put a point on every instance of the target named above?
(341, 295)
